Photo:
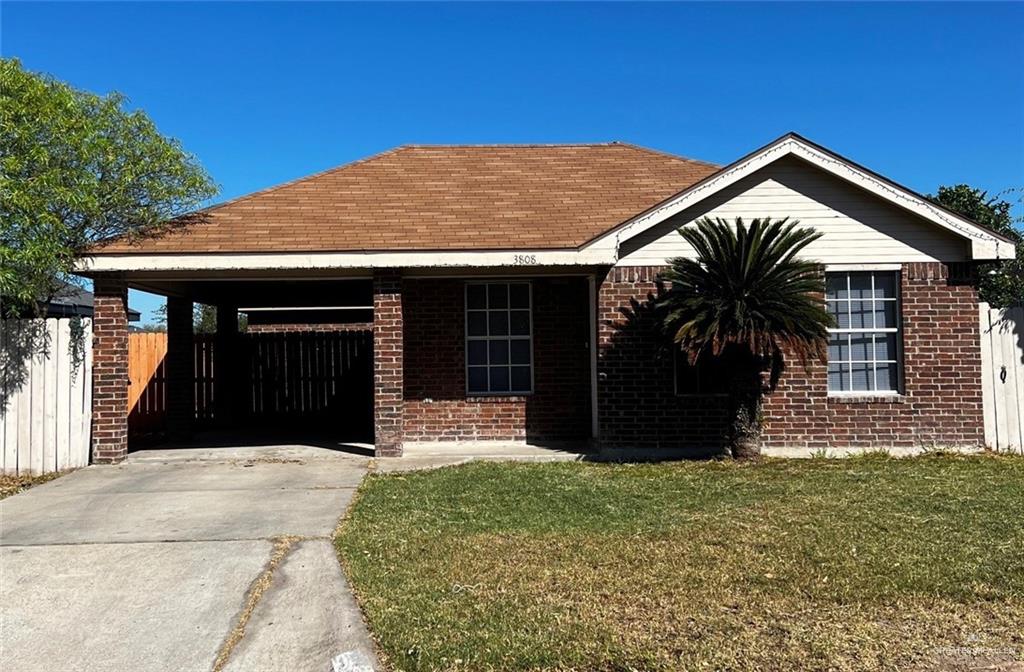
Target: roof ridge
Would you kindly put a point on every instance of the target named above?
(509, 144)
(659, 152)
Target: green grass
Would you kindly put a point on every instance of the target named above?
(853, 564)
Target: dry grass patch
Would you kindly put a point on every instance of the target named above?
(12, 485)
(852, 564)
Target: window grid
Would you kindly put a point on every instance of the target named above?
(869, 337)
(494, 387)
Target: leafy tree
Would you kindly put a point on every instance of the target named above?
(77, 169)
(1000, 283)
(747, 300)
(204, 319)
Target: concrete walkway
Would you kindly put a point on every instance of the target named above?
(181, 561)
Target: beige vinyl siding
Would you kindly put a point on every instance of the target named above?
(859, 228)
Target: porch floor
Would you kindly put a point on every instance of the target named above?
(430, 455)
(248, 446)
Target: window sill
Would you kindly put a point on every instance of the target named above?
(483, 398)
(866, 398)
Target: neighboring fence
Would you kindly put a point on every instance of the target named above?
(309, 380)
(1002, 376)
(45, 398)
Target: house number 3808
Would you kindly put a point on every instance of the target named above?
(524, 259)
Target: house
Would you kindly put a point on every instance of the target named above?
(72, 300)
(507, 289)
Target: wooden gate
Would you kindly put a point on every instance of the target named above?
(312, 380)
(297, 381)
(1002, 376)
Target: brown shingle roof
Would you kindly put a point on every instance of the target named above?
(442, 198)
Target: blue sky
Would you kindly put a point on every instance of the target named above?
(926, 94)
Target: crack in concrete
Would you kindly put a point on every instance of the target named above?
(282, 547)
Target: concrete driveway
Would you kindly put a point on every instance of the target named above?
(169, 562)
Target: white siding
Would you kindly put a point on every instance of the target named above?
(858, 227)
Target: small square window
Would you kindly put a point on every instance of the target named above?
(497, 296)
(477, 379)
(476, 323)
(476, 297)
(499, 379)
(520, 325)
(498, 352)
(521, 378)
(476, 353)
(520, 351)
(497, 323)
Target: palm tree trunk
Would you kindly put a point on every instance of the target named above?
(746, 399)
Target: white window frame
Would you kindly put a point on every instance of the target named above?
(893, 270)
(466, 310)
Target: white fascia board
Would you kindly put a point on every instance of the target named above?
(984, 244)
(103, 263)
(862, 267)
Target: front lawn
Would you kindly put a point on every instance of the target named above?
(854, 564)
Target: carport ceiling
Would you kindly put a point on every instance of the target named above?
(265, 293)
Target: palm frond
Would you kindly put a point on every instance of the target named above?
(747, 286)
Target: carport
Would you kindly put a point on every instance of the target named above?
(304, 369)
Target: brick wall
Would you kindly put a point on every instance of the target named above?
(637, 404)
(387, 363)
(941, 400)
(436, 405)
(110, 371)
(941, 404)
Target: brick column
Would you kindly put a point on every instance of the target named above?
(388, 379)
(109, 370)
(181, 393)
(225, 373)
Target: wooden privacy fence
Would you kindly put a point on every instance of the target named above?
(1002, 376)
(306, 380)
(45, 395)
(147, 375)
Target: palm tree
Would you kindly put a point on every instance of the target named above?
(746, 300)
